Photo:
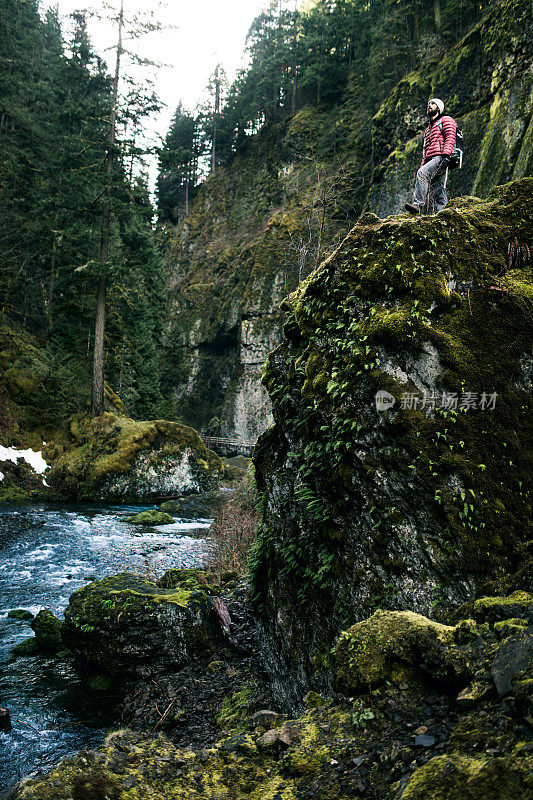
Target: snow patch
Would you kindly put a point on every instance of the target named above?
(34, 459)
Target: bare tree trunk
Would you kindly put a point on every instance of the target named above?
(215, 119)
(99, 326)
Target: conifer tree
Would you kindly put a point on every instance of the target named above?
(99, 325)
(178, 166)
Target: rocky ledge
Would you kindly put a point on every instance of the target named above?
(421, 710)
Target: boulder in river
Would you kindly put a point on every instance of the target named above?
(150, 518)
(5, 720)
(47, 629)
(127, 625)
(20, 614)
(116, 458)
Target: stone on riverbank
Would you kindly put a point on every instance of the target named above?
(116, 458)
(127, 625)
(391, 642)
(47, 628)
(194, 506)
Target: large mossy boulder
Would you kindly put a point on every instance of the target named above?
(127, 625)
(116, 458)
(420, 502)
(393, 643)
(463, 778)
(481, 658)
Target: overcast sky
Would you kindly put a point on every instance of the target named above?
(206, 32)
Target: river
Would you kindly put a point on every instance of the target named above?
(46, 553)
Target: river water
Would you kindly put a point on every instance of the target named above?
(46, 553)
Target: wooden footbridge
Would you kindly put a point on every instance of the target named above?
(229, 447)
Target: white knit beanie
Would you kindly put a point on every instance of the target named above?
(438, 103)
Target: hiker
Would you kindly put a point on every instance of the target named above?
(439, 141)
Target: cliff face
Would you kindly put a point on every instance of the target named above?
(252, 234)
(396, 474)
(265, 222)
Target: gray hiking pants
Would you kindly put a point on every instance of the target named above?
(432, 175)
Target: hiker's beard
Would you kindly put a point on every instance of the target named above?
(433, 114)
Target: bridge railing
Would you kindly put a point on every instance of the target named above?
(226, 445)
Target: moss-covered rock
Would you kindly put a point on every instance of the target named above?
(20, 614)
(28, 647)
(189, 579)
(128, 625)
(204, 505)
(413, 506)
(112, 457)
(498, 609)
(150, 518)
(461, 778)
(47, 628)
(370, 652)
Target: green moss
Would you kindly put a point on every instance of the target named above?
(188, 579)
(234, 710)
(150, 518)
(308, 755)
(106, 450)
(509, 627)
(12, 494)
(461, 778)
(367, 653)
(47, 628)
(28, 647)
(277, 788)
(494, 609)
(20, 614)
(100, 684)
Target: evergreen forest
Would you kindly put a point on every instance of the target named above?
(56, 101)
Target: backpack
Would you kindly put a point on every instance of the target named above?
(456, 158)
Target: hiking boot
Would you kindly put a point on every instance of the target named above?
(412, 208)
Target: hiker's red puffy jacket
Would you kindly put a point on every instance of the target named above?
(437, 142)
